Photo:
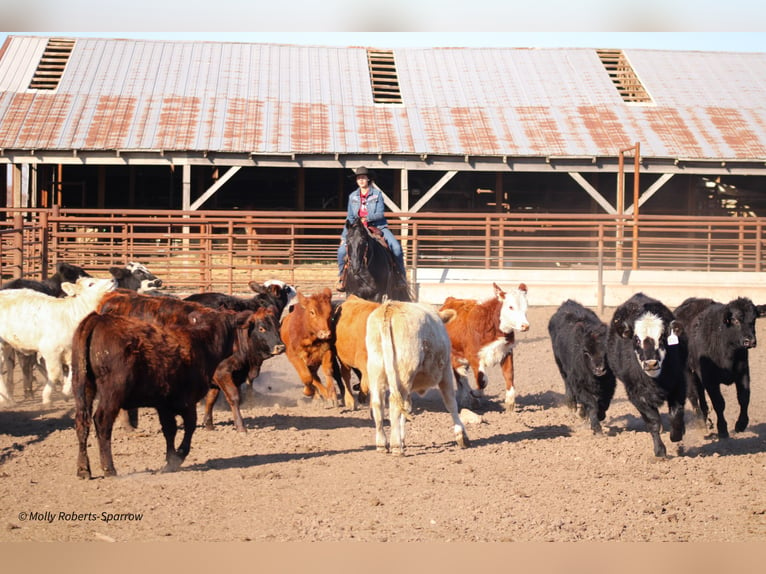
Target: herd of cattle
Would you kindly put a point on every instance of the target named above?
(124, 342)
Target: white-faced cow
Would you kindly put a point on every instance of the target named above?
(720, 337)
(136, 277)
(34, 323)
(646, 350)
(578, 337)
(482, 335)
(408, 352)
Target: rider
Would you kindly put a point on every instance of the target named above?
(366, 202)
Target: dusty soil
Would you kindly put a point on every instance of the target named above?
(304, 472)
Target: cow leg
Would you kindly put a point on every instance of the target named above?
(396, 415)
(696, 395)
(223, 379)
(55, 374)
(103, 421)
(377, 385)
(510, 391)
(464, 396)
(169, 430)
(189, 417)
(676, 402)
(653, 422)
(349, 399)
(210, 398)
(128, 419)
(83, 416)
(447, 390)
(331, 373)
(719, 404)
(743, 398)
(304, 374)
(27, 364)
(7, 364)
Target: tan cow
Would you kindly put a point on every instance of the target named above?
(408, 351)
(306, 334)
(350, 348)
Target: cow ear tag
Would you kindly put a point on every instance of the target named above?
(672, 339)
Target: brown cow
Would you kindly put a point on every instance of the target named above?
(307, 336)
(169, 311)
(350, 321)
(131, 363)
(482, 335)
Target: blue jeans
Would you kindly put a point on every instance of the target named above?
(393, 245)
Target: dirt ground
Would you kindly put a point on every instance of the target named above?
(305, 473)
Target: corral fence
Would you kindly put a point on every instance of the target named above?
(223, 250)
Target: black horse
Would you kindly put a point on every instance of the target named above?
(371, 270)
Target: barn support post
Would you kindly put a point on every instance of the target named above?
(18, 245)
(44, 238)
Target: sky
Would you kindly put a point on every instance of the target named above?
(705, 41)
(733, 25)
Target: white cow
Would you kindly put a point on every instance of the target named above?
(408, 351)
(34, 323)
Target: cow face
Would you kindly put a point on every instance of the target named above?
(318, 311)
(136, 277)
(594, 348)
(739, 321)
(649, 343)
(89, 288)
(513, 313)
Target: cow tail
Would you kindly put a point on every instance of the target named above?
(83, 380)
(389, 360)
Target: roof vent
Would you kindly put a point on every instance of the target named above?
(623, 76)
(51, 66)
(385, 82)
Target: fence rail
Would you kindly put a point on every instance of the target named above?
(223, 250)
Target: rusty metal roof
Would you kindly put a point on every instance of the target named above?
(280, 99)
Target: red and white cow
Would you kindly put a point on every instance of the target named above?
(482, 335)
(408, 352)
(35, 323)
(307, 336)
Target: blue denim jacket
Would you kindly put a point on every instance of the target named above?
(375, 209)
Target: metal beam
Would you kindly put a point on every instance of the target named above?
(608, 207)
(215, 187)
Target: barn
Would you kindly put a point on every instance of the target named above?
(117, 124)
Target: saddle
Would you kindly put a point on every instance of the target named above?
(377, 234)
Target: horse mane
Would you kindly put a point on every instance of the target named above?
(372, 272)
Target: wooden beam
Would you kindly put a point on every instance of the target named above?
(651, 190)
(433, 191)
(593, 192)
(215, 187)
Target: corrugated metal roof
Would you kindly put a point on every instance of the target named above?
(280, 99)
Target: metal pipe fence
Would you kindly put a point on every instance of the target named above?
(223, 250)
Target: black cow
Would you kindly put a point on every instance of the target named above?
(263, 341)
(579, 339)
(720, 336)
(273, 293)
(647, 350)
(65, 273)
